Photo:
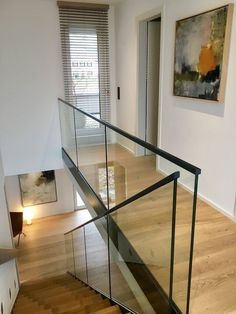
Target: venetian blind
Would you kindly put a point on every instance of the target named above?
(85, 53)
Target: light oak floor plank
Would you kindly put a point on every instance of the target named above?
(42, 252)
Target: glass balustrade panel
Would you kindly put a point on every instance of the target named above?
(80, 255)
(91, 153)
(70, 253)
(130, 168)
(140, 237)
(97, 255)
(184, 211)
(68, 131)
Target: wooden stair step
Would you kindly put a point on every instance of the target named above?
(30, 305)
(73, 284)
(84, 302)
(55, 290)
(27, 304)
(50, 288)
(91, 299)
(61, 295)
(64, 304)
(109, 310)
(31, 310)
(74, 310)
(67, 279)
(57, 297)
(22, 299)
(48, 311)
(98, 305)
(87, 309)
(50, 283)
(38, 282)
(67, 307)
(38, 286)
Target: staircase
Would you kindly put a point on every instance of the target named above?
(61, 295)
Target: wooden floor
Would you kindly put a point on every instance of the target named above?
(41, 253)
(214, 267)
(214, 271)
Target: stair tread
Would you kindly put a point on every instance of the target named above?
(88, 308)
(57, 290)
(48, 279)
(63, 305)
(66, 297)
(109, 310)
(98, 306)
(75, 311)
(26, 302)
(84, 302)
(30, 308)
(48, 286)
(62, 295)
(44, 311)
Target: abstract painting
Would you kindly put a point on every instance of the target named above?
(201, 53)
(38, 188)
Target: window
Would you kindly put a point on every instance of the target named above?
(85, 52)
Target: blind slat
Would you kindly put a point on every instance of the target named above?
(85, 54)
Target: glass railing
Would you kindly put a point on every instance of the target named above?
(105, 252)
(117, 166)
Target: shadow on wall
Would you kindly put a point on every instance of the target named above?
(203, 106)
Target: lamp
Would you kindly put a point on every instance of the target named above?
(28, 215)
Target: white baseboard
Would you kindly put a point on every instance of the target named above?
(206, 200)
(217, 207)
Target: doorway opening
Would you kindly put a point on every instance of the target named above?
(78, 202)
(149, 80)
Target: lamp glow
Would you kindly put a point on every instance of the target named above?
(28, 215)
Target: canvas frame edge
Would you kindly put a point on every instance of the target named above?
(225, 61)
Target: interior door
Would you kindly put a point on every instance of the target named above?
(153, 66)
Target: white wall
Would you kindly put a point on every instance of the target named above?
(8, 280)
(5, 229)
(65, 202)
(200, 132)
(31, 79)
(204, 132)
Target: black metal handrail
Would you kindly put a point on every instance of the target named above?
(151, 188)
(179, 162)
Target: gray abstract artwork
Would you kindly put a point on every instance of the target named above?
(199, 51)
